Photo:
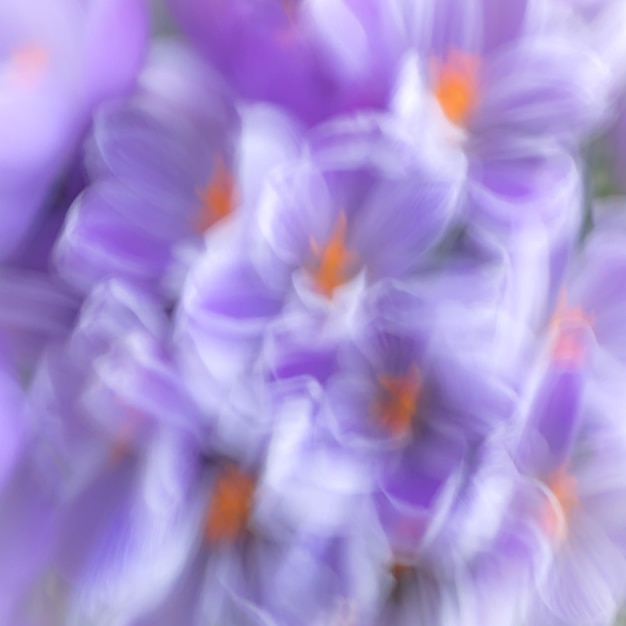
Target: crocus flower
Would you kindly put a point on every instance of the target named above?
(351, 210)
(14, 417)
(58, 67)
(591, 303)
(572, 440)
(103, 444)
(491, 93)
(38, 309)
(294, 247)
(317, 343)
(27, 532)
(579, 360)
(243, 525)
(491, 73)
(73, 438)
(393, 401)
(317, 59)
(581, 519)
(597, 23)
(67, 455)
(474, 569)
(394, 384)
(161, 153)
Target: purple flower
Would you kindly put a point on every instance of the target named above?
(317, 342)
(502, 98)
(351, 210)
(509, 74)
(414, 396)
(350, 230)
(395, 384)
(27, 531)
(38, 309)
(61, 451)
(14, 423)
(80, 428)
(110, 412)
(241, 524)
(572, 441)
(59, 67)
(599, 24)
(589, 314)
(224, 311)
(474, 569)
(158, 182)
(582, 518)
(316, 59)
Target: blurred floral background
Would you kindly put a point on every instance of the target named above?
(312, 312)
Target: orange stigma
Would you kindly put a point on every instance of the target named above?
(456, 85)
(399, 400)
(567, 327)
(288, 32)
(400, 570)
(334, 264)
(27, 63)
(229, 507)
(289, 7)
(401, 573)
(121, 445)
(124, 437)
(217, 198)
(564, 487)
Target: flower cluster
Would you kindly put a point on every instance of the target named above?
(313, 312)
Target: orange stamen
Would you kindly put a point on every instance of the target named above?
(401, 573)
(229, 507)
(123, 439)
(399, 400)
(289, 7)
(456, 85)
(400, 570)
(217, 198)
(564, 487)
(289, 33)
(565, 314)
(335, 264)
(28, 63)
(568, 349)
(566, 326)
(121, 446)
